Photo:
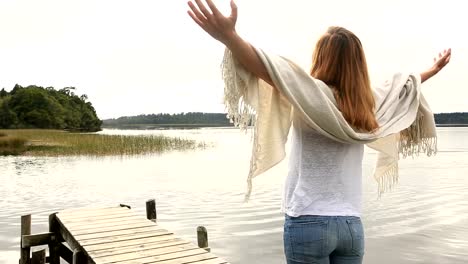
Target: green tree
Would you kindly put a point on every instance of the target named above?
(35, 108)
(3, 93)
(8, 118)
(38, 107)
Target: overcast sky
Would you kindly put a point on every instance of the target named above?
(147, 56)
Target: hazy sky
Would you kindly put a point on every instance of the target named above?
(147, 56)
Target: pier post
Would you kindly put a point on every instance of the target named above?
(202, 237)
(25, 230)
(54, 244)
(151, 210)
(79, 257)
(39, 257)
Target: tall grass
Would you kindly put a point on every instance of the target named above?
(60, 143)
(11, 145)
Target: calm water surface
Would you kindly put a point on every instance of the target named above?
(423, 220)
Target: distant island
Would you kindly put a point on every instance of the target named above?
(199, 119)
(451, 119)
(46, 108)
(183, 120)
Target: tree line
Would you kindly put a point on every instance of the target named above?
(37, 107)
(451, 118)
(221, 119)
(191, 118)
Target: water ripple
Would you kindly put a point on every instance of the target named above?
(423, 220)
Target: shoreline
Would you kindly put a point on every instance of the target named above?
(196, 126)
(166, 126)
(451, 125)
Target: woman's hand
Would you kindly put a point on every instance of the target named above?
(224, 29)
(439, 64)
(214, 23)
(444, 59)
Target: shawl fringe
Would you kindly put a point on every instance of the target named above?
(415, 140)
(239, 112)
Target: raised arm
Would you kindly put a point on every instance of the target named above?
(223, 29)
(439, 64)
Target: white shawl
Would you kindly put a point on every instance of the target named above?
(406, 123)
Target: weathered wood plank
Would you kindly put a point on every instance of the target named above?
(129, 230)
(65, 253)
(104, 211)
(170, 256)
(97, 211)
(25, 230)
(133, 248)
(212, 261)
(94, 211)
(188, 259)
(92, 230)
(92, 219)
(111, 239)
(71, 241)
(61, 229)
(96, 217)
(39, 257)
(54, 245)
(133, 242)
(201, 258)
(79, 257)
(71, 211)
(143, 253)
(36, 240)
(122, 211)
(104, 222)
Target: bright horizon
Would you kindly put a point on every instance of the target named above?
(148, 57)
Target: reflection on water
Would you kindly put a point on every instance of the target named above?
(423, 220)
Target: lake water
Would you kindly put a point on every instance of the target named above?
(423, 220)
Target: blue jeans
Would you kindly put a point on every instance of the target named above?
(323, 239)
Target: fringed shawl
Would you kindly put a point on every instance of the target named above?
(406, 123)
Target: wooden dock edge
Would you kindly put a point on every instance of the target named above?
(54, 239)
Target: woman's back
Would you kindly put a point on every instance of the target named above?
(324, 176)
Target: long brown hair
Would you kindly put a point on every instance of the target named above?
(339, 61)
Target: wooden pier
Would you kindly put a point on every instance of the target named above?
(111, 235)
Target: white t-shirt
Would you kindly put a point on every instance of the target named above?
(325, 176)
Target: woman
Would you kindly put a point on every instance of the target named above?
(323, 196)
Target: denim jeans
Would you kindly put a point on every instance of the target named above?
(323, 239)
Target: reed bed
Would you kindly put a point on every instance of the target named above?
(11, 145)
(38, 142)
